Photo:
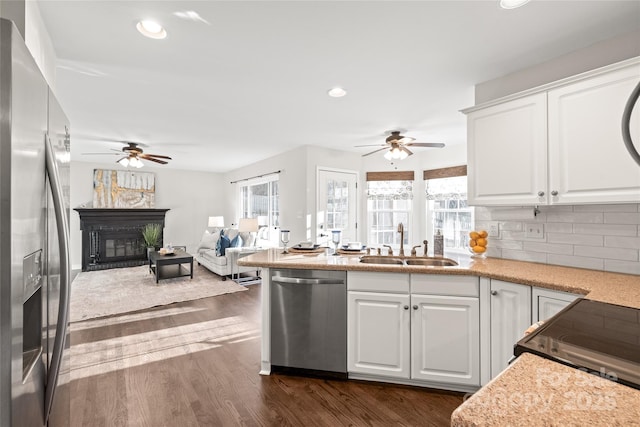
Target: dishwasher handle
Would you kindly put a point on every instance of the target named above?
(306, 281)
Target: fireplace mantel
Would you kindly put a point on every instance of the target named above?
(103, 230)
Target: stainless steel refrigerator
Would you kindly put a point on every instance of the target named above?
(34, 254)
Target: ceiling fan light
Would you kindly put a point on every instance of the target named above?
(337, 92)
(512, 4)
(136, 162)
(124, 162)
(151, 29)
(388, 155)
(403, 155)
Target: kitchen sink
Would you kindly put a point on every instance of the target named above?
(425, 261)
(436, 262)
(373, 259)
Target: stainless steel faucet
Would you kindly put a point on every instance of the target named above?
(401, 231)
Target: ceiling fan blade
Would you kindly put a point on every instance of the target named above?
(371, 145)
(102, 154)
(162, 162)
(426, 144)
(143, 155)
(406, 150)
(368, 154)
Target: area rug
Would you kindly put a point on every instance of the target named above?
(122, 290)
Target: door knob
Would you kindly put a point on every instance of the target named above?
(494, 292)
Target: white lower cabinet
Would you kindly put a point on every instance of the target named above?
(510, 317)
(546, 303)
(378, 334)
(432, 338)
(445, 339)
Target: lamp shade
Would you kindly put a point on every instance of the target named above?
(248, 224)
(216, 221)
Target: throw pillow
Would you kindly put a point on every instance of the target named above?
(248, 239)
(223, 245)
(236, 242)
(208, 241)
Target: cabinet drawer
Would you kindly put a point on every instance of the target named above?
(396, 283)
(436, 284)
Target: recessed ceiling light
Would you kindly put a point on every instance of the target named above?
(151, 29)
(512, 4)
(337, 92)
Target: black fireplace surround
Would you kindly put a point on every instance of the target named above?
(112, 238)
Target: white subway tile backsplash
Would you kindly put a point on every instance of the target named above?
(549, 248)
(582, 217)
(524, 256)
(599, 237)
(605, 229)
(559, 227)
(607, 253)
(622, 242)
(621, 218)
(576, 239)
(606, 208)
(576, 261)
(617, 266)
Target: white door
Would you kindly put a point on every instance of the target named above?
(510, 317)
(546, 303)
(337, 200)
(507, 153)
(445, 339)
(588, 162)
(378, 334)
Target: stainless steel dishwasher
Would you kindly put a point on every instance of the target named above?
(309, 320)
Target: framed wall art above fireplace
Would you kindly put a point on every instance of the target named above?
(123, 189)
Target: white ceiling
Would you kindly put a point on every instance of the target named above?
(252, 82)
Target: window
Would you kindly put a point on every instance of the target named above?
(260, 199)
(447, 208)
(389, 203)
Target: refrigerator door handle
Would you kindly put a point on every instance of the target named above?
(63, 243)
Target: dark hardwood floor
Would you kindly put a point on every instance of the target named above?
(196, 364)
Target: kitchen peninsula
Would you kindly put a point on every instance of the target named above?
(519, 379)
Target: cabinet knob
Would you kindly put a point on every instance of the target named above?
(540, 193)
(415, 307)
(554, 193)
(406, 307)
(494, 292)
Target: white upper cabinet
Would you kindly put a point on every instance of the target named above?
(507, 152)
(557, 144)
(588, 162)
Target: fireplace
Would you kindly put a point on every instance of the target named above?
(112, 238)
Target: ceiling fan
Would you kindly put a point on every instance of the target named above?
(396, 146)
(133, 155)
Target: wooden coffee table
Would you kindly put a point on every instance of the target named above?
(159, 265)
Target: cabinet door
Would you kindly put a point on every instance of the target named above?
(546, 303)
(588, 162)
(378, 334)
(507, 153)
(510, 317)
(445, 339)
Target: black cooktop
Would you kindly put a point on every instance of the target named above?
(597, 337)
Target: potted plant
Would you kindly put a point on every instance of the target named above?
(151, 235)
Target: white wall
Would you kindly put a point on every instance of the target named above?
(191, 197)
(39, 43)
(595, 56)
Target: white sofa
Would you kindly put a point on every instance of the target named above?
(208, 252)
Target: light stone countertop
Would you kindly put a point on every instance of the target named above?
(532, 391)
(614, 288)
